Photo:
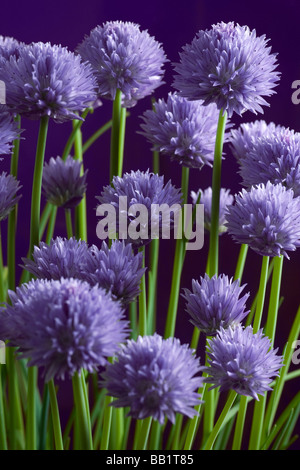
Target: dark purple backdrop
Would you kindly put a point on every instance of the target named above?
(173, 24)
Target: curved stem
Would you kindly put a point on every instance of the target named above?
(55, 417)
(37, 184)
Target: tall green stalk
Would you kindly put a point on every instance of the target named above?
(117, 136)
(216, 186)
(177, 266)
(82, 414)
(80, 209)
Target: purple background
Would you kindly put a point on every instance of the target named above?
(173, 24)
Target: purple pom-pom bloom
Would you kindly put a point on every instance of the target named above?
(267, 218)
(205, 198)
(9, 47)
(124, 57)
(148, 190)
(61, 258)
(63, 326)
(274, 156)
(9, 187)
(8, 131)
(63, 184)
(154, 377)
(116, 269)
(245, 137)
(184, 130)
(227, 65)
(242, 361)
(46, 80)
(215, 303)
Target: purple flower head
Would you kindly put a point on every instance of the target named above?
(63, 184)
(275, 157)
(8, 131)
(9, 47)
(215, 303)
(63, 326)
(48, 80)
(9, 187)
(147, 190)
(205, 197)
(184, 130)
(267, 218)
(124, 57)
(116, 269)
(244, 138)
(61, 258)
(154, 377)
(242, 361)
(227, 65)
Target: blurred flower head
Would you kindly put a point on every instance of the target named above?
(267, 218)
(184, 130)
(227, 65)
(124, 57)
(242, 361)
(273, 156)
(8, 131)
(215, 302)
(63, 326)
(142, 189)
(9, 187)
(116, 269)
(48, 80)
(63, 184)
(154, 377)
(205, 198)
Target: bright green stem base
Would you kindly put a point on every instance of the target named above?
(85, 441)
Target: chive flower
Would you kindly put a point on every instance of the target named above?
(48, 80)
(8, 131)
(9, 187)
(63, 184)
(63, 326)
(215, 302)
(241, 360)
(184, 130)
(124, 57)
(154, 377)
(267, 218)
(229, 65)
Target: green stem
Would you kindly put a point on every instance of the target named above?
(106, 424)
(276, 394)
(76, 127)
(55, 417)
(3, 438)
(194, 423)
(51, 224)
(216, 186)
(274, 299)
(12, 218)
(152, 284)
(177, 266)
(83, 420)
(261, 293)
(240, 422)
(241, 262)
(144, 434)
(143, 302)
(115, 135)
(31, 424)
(69, 226)
(37, 184)
(210, 441)
(121, 141)
(89, 142)
(80, 209)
